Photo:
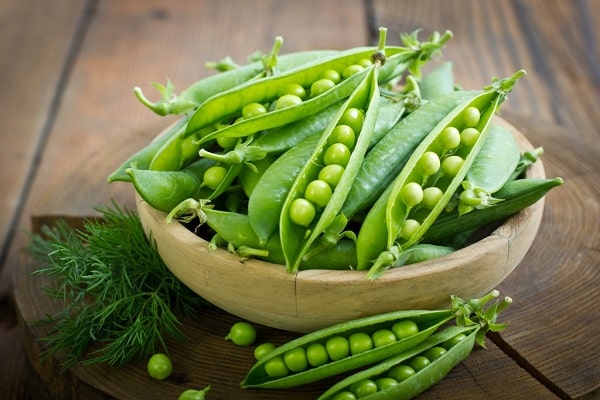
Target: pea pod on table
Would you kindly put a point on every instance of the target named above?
(404, 375)
(329, 351)
(435, 169)
(407, 374)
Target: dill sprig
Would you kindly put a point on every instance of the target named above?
(119, 300)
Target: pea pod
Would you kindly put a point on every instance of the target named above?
(229, 104)
(496, 161)
(440, 161)
(404, 375)
(406, 384)
(427, 321)
(385, 160)
(418, 253)
(270, 192)
(278, 140)
(164, 190)
(438, 82)
(298, 229)
(516, 195)
(195, 94)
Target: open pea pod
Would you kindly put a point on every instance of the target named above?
(314, 201)
(427, 321)
(429, 179)
(230, 104)
(390, 379)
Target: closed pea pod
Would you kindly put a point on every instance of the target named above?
(491, 168)
(164, 190)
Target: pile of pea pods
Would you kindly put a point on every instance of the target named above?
(347, 159)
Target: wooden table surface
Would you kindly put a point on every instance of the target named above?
(68, 118)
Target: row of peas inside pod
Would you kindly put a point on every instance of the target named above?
(394, 355)
(348, 159)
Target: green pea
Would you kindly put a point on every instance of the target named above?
(469, 136)
(401, 372)
(351, 70)
(449, 138)
(302, 212)
(411, 194)
(409, 228)
(345, 395)
(331, 174)
(353, 117)
(276, 368)
(448, 344)
(418, 362)
(316, 353)
(263, 349)
(435, 352)
(253, 110)
(343, 134)
(227, 143)
(471, 116)
(318, 192)
(213, 176)
(242, 334)
(405, 328)
(295, 359)
(382, 337)
(294, 89)
(431, 196)
(337, 153)
(363, 388)
(429, 163)
(451, 165)
(321, 86)
(337, 347)
(332, 75)
(385, 382)
(287, 100)
(360, 342)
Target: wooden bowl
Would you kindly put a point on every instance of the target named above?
(266, 294)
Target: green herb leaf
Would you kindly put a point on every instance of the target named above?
(119, 300)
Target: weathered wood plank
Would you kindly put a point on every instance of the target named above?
(34, 34)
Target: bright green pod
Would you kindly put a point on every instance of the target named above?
(421, 380)
(516, 196)
(228, 104)
(297, 239)
(390, 211)
(495, 162)
(428, 321)
(164, 190)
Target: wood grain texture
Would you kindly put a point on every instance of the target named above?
(28, 91)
